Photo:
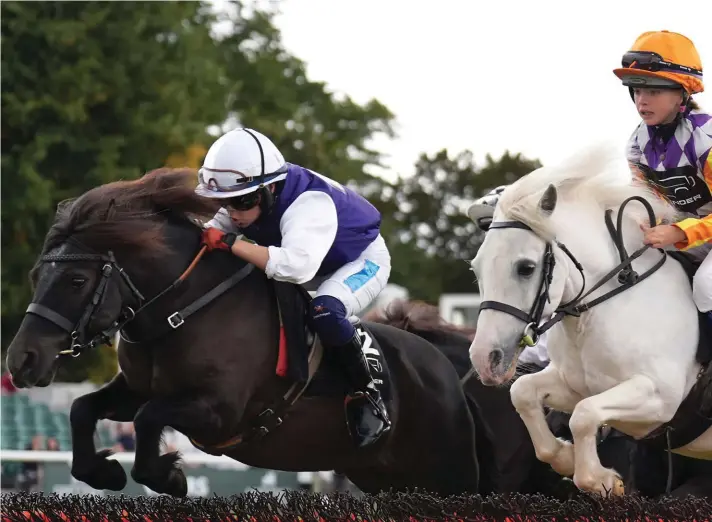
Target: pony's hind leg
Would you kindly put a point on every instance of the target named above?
(162, 473)
(116, 402)
(529, 393)
(633, 401)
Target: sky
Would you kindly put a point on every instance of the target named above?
(523, 76)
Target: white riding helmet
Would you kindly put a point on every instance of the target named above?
(240, 162)
(482, 209)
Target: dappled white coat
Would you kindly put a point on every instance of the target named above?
(628, 362)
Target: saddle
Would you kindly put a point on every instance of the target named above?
(298, 338)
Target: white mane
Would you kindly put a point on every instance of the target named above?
(597, 177)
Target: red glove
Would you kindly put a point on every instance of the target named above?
(215, 239)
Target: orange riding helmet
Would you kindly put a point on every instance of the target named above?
(662, 59)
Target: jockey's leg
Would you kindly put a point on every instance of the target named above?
(702, 287)
(348, 291)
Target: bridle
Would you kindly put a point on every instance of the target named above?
(77, 331)
(627, 277)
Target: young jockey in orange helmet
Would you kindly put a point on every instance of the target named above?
(671, 147)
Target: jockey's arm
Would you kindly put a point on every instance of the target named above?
(308, 228)
(222, 221)
(697, 232)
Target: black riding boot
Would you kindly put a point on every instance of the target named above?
(366, 414)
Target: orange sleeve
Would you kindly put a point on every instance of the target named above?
(697, 231)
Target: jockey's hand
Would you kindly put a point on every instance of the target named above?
(662, 235)
(216, 239)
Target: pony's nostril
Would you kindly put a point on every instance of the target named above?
(30, 359)
(495, 358)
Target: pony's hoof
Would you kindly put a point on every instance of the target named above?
(101, 473)
(605, 482)
(166, 477)
(618, 488)
(177, 484)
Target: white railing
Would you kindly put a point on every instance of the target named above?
(66, 456)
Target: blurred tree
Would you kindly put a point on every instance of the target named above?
(431, 239)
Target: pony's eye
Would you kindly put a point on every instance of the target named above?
(525, 268)
(78, 282)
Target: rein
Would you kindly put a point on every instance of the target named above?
(627, 277)
(111, 267)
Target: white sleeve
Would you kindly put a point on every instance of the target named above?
(222, 221)
(308, 230)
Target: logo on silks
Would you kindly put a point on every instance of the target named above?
(372, 355)
(684, 188)
(321, 311)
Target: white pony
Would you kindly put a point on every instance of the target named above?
(627, 362)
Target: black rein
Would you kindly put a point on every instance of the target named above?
(110, 267)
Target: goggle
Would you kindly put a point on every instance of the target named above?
(653, 62)
(214, 185)
(245, 202)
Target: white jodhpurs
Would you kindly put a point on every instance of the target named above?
(702, 286)
(358, 283)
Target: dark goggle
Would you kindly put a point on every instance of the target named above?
(245, 202)
(653, 62)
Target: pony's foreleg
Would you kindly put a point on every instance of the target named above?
(162, 473)
(529, 393)
(635, 401)
(114, 401)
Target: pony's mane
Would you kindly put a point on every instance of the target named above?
(416, 316)
(598, 176)
(129, 214)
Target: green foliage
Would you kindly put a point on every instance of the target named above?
(431, 238)
(91, 93)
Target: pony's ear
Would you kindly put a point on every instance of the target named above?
(63, 206)
(547, 203)
(110, 209)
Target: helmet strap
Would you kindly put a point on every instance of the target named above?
(266, 199)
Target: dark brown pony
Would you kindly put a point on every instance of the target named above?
(116, 257)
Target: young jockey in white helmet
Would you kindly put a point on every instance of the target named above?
(306, 228)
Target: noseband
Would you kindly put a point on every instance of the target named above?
(627, 277)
